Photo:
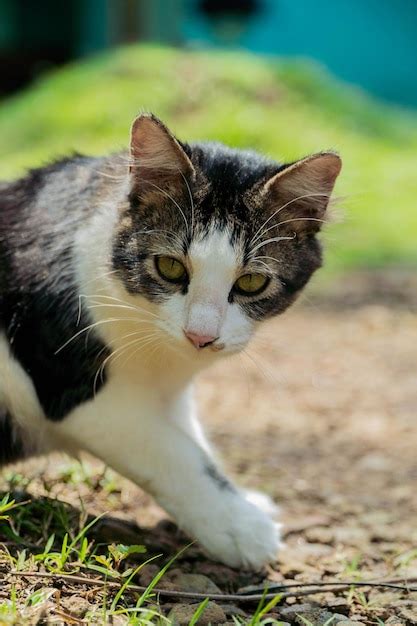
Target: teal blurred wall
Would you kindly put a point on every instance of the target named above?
(372, 43)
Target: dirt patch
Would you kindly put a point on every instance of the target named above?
(321, 414)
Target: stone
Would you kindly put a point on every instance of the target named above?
(338, 605)
(119, 620)
(220, 574)
(351, 535)
(317, 616)
(291, 611)
(394, 621)
(232, 609)
(289, 569)
(76, 606)
(382, 599)
(181, 614)
(349, 622)
(197, 583)
(319, 534)
(410, 615)
(148, 573)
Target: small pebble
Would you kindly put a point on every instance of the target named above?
(196, 583)
(181, 614)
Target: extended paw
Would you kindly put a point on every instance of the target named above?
(243, 536)
(262, 501)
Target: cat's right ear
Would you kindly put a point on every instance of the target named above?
(157, 159)
(299, 194)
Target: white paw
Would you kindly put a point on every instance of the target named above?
(262, 501)
(242, 535)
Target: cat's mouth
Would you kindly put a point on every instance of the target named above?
(217, 347)
(204, 342)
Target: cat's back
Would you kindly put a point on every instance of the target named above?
(41, 212)
(44, 193)
(40, 216)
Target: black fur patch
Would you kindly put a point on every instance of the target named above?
(221, 481)
(38, 295)
(11, 446)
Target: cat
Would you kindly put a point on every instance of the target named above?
(121, 278)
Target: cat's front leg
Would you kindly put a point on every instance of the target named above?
(189, 485)
(160, 455)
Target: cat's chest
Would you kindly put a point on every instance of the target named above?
(130, 393)
(122, 409)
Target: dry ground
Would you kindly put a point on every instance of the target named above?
(320, 414)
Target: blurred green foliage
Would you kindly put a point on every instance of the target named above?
(286, 109)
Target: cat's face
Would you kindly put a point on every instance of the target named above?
(216, 240)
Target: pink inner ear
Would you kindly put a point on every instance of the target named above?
(313, 175)
(299, 195)
(155, 149)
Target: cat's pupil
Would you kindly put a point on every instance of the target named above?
(171, 269)
(251, 284)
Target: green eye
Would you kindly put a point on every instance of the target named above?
(171, 269)
(251, 284)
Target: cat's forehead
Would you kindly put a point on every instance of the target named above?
(216, 250)
(225, 179)
(229, 169)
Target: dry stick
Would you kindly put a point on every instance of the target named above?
(320, 587)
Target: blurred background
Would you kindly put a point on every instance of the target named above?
(321, 412)
(287, 78)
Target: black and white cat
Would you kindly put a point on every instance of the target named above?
(120, 279)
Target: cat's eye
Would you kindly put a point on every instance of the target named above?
(171, 269)
(251, 284)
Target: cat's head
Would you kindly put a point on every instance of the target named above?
(215, 240)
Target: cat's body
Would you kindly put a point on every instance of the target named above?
(117, 287)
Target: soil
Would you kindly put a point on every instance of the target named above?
(320, 413)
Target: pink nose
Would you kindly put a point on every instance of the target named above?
(199, 341)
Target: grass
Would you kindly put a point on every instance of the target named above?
(43, 535)
(68, 552)
(44, 528)
(281, 107)
(65, 555)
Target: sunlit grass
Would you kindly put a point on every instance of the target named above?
(284, 108)
(74, 556)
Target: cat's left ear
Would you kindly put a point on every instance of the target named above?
(157, 159)
(300, 193)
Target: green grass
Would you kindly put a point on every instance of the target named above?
(35, 554)
(284, 108)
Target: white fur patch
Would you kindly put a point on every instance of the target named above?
(205, 309)
(18, 395)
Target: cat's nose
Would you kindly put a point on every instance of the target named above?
(199, 341)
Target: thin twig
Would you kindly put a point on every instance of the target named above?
(316, 588)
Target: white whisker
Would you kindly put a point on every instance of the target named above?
(267, 375)
(271, 240)
(258, 260)
(143, 343)
(270, 258)
(191, 202)
(148, 182)
(259, 234)
(134, 306)
(170, 233)
(90, 327)
(118, 352)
